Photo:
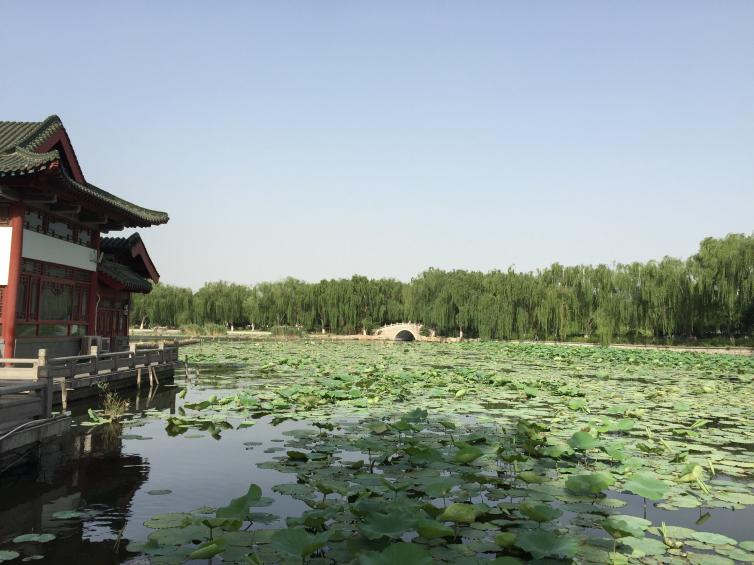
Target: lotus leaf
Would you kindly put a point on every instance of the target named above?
(208, 550)
(431, 529)
(589, 484)
(403, 553)
(238, 508)
(713, 539)
(544, 543)
(298, 542)
(36, 538)
(646, 485)
(393, 524)
(620, 526)
(539, 512)
(467, 454)
(505, 539)
(642, 547)
(459, 512)
(583, 441)
(171, 520)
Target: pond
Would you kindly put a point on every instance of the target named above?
(380, 452)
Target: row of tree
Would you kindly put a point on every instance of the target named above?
(710, 293)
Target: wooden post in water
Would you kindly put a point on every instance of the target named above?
(132, 353)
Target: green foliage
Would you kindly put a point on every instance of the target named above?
(404, 553)
(710, 294)
(298, 542)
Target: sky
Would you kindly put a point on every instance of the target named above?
(321, 139)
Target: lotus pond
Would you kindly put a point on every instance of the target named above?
(393, 453)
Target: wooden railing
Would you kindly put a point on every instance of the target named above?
(23, 376)
(96, 363)
(92, 364)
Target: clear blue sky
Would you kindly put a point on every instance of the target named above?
(321, 139)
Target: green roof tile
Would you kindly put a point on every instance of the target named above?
(18, 157)
(130, 280)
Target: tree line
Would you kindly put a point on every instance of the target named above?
(711, 293)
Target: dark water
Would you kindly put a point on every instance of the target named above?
(97, 469)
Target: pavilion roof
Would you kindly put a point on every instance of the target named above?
(43, 148)
(132, 252)
(121, 276)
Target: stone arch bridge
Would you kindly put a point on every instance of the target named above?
(406, 331)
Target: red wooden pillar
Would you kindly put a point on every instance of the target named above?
(10, 297)
(91, 307)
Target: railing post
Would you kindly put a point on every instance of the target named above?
(43, 373)
(93, 351)
(131, 355)
(161, 352)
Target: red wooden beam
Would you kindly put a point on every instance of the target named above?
(93, 291)
(61, 136)
(10, 296)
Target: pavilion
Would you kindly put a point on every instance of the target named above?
(63, 286)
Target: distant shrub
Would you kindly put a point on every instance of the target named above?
(195, 330)
(287, 331)
(214, 329)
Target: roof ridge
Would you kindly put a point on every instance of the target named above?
(34, 138)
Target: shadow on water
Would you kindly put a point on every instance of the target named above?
(108, 471)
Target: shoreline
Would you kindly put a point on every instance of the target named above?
(175, 335)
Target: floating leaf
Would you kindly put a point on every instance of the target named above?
(459, 512)
(646, 485)
(589, 484)
(238, 508)
(298, 542)
(467, 454)
(393, 524)
(170, 520)
(505, 539)
(431, 529)
(36, 538)
(397, 553)
(208, 550)
(583, 441)
(620, 526)
(539, 512)
(544, 543)
(713, 539)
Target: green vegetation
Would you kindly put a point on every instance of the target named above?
(471, 453)
(710, 294)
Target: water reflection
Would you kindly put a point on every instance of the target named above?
(87, 469)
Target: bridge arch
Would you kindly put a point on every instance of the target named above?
(405, 335)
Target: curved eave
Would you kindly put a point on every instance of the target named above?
(133, 216)
(24, 162)
(120, 277)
